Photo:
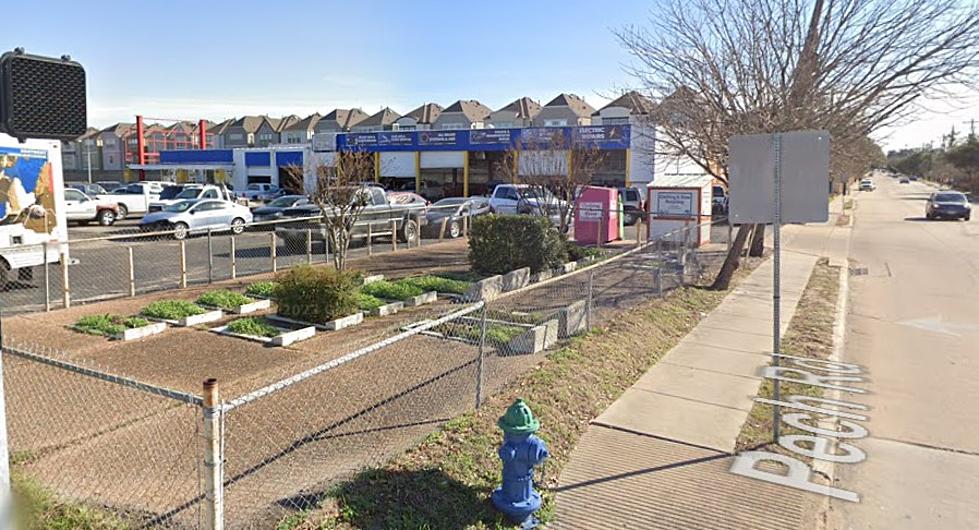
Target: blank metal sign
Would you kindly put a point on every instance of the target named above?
(804, 184)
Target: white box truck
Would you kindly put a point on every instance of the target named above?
(32, 208)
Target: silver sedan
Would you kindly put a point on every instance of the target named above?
(198, 216)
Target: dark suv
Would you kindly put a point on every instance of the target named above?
(948, 205)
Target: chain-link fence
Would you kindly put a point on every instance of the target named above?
(273, 446)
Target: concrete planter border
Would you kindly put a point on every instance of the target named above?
(287, 337)
(373, 278)
(251, 307)
(192, 320)
(422, 299)
(333, 325)
(141, 332)
(387, 309)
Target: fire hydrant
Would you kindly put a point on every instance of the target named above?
(520, 452)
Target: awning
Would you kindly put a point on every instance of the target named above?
(226, 167)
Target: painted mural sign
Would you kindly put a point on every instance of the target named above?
(27, 189)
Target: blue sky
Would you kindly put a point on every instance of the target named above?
(184, 59)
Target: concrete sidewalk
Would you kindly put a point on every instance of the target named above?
(658, 456)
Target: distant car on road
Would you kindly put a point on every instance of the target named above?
(867, 185)
(452, 211)
(198, 216)
(260, 192)
(83, 209)
(948, 205)
(904, 180)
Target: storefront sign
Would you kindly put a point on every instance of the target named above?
(447, 138)
(600, 136)
(489, 136)
(395, 138)
(590, 211)
(679, 203)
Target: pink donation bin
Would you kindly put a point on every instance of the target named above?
(596, 216)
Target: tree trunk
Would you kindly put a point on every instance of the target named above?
(723, 279)
(757, 248)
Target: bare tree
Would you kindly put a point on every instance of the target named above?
(338, 190)
(555, 172)
(719, 68)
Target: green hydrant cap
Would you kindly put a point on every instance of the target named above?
(518, 419)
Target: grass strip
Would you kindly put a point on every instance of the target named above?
(810, 334)
(437, 283)
(262, 289)
(391, 290)
(172, 309)
(108, 325)
(367, 302)
(496, 334)
(36, 508)
(256, 327)
(223, 299)
(445, 481)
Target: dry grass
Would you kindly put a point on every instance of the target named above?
(445, 481)
(810, 334)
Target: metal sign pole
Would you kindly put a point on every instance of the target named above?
(776, 283)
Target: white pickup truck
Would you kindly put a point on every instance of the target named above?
(32, 206)
(134, 197)
(188, 192)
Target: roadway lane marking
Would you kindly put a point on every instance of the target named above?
(937, 324)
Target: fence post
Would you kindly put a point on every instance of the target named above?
(66, 289)
(213, 458)
(638, 232)
(394, 236)
(210, 257)
(183, 264)
(479, 364)
(445, 220)
(234, 258)
(658, 280)
(132, 273)
(309, 246)
(465, 227)
(591, 278)
(6, 498)
(272, 252)
(47, 280)
(370, 239)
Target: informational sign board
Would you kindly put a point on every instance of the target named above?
(803, 170)
(679, 203)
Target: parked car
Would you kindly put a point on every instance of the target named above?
(633, 205)
(915, 177)
(904, 180)
(83, 209)
(512, 199)
(88, 188)
(260, 192)
(948, 205)
(452, 211)
(110, 185)
(718, 200)
(176, 193)
(198, 216)
(273, 210)
(867, 185)
(134, 198)
(379, 213)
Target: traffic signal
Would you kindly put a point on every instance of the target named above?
(42, 97)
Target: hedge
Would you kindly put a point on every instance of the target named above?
(499, 244)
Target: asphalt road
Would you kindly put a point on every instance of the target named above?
(914, 324)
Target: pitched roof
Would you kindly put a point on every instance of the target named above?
(305, 124)
(385, 116)
(120, 128)
(577, 105)
(427, 113)
(89, 133)
(632, 100)
(345, 118)
(524, 107)
(472, 109)
(279, 124)
(218, 128)
(249, 123)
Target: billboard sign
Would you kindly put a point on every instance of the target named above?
(676, 203)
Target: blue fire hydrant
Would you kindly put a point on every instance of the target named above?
(520, 452)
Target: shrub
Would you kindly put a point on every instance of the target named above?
(368, 302)
(256, 327)
(392, 290)
(263, 289)
(437, 283)
(317, 294)
(109, 324)
(496, 334)
(576, 252)
(224, 299)
(172, 309)
(500, 244)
